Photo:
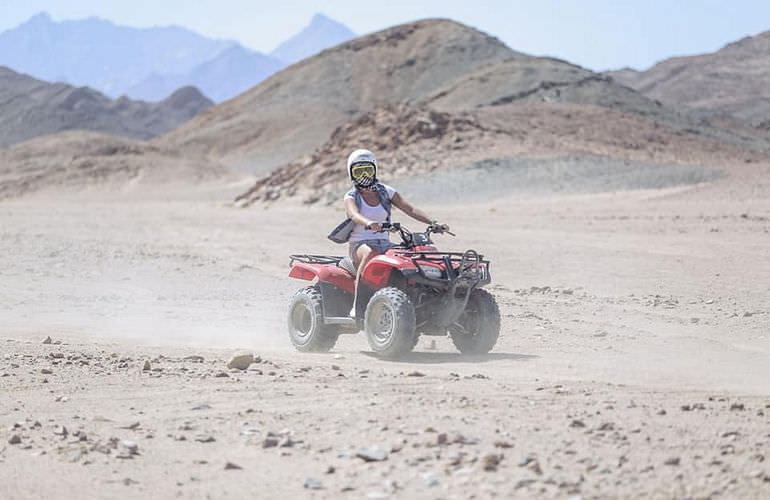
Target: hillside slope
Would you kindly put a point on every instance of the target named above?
(732, 80)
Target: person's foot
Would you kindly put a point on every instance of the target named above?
(352, 313)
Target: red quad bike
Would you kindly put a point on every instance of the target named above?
(410, 290)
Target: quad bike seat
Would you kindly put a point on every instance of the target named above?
(347, 264)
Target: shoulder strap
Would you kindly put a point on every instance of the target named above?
(356, 196)
(384, 200)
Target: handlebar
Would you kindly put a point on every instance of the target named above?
(395, 227)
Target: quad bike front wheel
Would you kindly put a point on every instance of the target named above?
(478, 328)
(390, 323)
(307, 331)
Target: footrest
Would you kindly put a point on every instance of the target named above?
(343, 320)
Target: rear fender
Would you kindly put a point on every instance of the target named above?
(334, 275)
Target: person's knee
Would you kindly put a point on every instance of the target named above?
(362, 254)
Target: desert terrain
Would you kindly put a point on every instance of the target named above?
(634, 359)
(143, 343)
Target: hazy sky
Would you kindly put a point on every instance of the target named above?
(598, 34)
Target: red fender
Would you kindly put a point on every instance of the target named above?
(326, 273)
(377, 272)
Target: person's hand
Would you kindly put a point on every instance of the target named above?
(374, 226)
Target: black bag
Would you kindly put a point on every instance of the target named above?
(341, 233)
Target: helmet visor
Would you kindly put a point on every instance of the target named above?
(362, 170)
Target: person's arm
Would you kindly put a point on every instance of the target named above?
(355, 215)
(413, 211)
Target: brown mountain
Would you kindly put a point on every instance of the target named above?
(437, 94)
(31, 107)
(295, 111)
(732, 80)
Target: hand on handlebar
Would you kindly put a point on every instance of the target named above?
(374, 226)
(441, 228)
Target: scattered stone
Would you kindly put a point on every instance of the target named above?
(205, 439)
(222, 375)
(270, 441)
(415, 374)
(48, 340)
(132, 427)
(14, 439)
(491, 461)
(372, 454)
(46, 371)
(661, 412)
(130, 447)
(202, 406)
(241, 361)
(147, 366)
(737, 407)
(61, 431)
(503, 444)
(577, 424)
(232, 466)
(194, 358)
(312, 484)
(674, 461)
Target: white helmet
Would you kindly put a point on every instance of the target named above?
(362, 156)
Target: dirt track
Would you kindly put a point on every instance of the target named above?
(635, 333)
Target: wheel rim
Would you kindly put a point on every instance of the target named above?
(382, 324)
(302, 321)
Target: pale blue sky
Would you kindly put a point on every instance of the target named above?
(598, 34)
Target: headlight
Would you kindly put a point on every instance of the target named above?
(432, 272)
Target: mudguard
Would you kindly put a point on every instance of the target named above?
(333, 275)
(377, 272)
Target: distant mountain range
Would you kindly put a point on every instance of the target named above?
(151, 63)
(320, 34)
(31, 107)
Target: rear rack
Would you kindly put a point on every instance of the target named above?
(314, 259)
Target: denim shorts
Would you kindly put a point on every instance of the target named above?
(379, 246)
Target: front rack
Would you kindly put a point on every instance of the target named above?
(437, 256)
(314, 259)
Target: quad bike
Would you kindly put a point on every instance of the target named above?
(410, 290)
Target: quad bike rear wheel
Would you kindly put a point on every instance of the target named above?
(478, 328)
(390, 323)
(307, 331)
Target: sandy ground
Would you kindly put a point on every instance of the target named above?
(634, 359)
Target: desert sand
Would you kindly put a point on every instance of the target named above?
(634, 359)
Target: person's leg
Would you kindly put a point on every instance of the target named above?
(361, 256)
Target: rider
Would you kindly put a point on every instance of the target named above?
(368, 205)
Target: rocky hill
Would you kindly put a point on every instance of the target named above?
(31, 107)
(438, 63)
(732, 80)
(294, 129)
(295, 111)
